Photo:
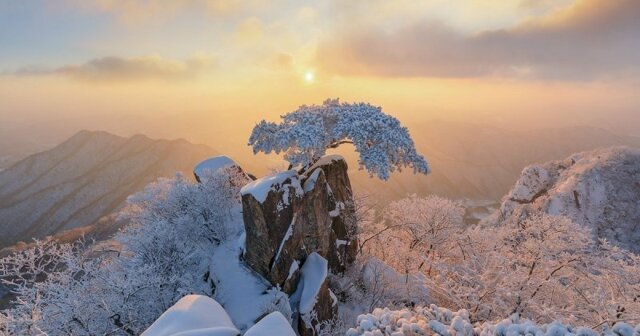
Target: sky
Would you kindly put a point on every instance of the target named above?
(208, 70)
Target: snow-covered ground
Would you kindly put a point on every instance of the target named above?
(243, 293)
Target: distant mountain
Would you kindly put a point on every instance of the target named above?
(85, 178)
(480, 162)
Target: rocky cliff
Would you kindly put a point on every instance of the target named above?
(599, 189)
(298, 228)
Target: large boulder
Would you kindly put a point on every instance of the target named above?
(193, 313)
(287, 216)
(290, 216)
(598, 189)
(203, 316)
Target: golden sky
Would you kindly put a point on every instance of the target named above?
(207, 70)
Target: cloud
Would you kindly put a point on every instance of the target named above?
(249, 30)
(145, 11)
(114, 68)
(589, 39)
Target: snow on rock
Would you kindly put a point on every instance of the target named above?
(310, 182)
(212, 165)
(326, 160)
(272, 324)
(434, 320)
(534, 181)
(260, 188)
(286, 238)
(313, 298)
(197, 315)
(314, 273)
(190, 313)
(293, 269)
(599, 189)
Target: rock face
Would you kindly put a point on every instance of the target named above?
(343, 247)
(289, 217)
(599, 189)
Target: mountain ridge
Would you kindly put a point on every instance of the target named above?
(86, 177)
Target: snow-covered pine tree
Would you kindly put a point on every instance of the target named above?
(305, 135)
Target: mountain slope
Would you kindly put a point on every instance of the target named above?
(83, 179)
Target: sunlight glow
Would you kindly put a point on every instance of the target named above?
(309, 76)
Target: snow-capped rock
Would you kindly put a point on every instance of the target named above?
(212, 165)
(313, 296)
(287, 216)
(191, 313)
(198, 315)
(272, 324)
(599, 189)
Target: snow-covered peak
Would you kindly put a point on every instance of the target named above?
(212, 165)
(260, 188)
(599, 189)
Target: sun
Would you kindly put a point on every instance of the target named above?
(309, 76)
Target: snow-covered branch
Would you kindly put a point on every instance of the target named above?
(305, 135)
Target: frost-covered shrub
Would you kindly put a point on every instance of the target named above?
(162, 255)
(414, 232)
(441, 321)
(305, 135)
(546, 268)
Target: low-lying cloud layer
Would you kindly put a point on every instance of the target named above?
(590, 39)
(114, 68)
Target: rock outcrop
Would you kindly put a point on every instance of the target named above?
(599, 189)
(212, 165)
(289, 216)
